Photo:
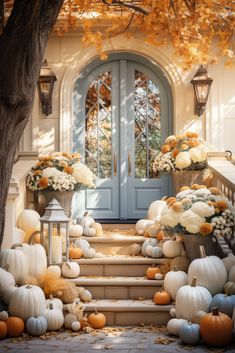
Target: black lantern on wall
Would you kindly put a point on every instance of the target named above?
(46, 82)
(201, 84)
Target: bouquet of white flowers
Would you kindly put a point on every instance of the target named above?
(59, 172)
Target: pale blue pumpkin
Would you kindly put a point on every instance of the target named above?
(36, 326)
(225, 303)
(190, 333)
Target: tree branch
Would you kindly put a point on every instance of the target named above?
(128, 5)
(1, 16)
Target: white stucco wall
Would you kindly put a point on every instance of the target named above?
(67, 57)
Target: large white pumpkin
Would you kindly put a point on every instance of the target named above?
(54, 317)
(28, 220)
(155, 209)
(190, 299)
(173, 281)
(210, 272)
(172, 248)
(17, 263)
(27, 301)
(6, 279)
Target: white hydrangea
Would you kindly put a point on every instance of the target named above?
(170, 217)
(191, 221)
(203, 209)
(83, 174)
(202, 192)
(182, 194)
(183, 160)
(52, 172)
(198, 154)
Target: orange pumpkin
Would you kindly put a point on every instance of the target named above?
(75, 253)
(97, 320)
(216, 328)
(3, 329)
(160, 235)
(162, 297)
(151, 272)
(15, 326)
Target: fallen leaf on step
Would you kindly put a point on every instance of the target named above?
(162, 340)
(108, 346)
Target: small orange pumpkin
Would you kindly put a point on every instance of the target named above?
(216, 328)
(75, 253)
(15, 326)
(3, 329)
(151, 272)
(160, 235)
(162, 297)
(97, 320)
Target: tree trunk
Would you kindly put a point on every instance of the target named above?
(22, 45)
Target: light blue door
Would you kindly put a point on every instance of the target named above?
(121, 115)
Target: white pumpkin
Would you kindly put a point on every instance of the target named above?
(155, 209)
(158, 276)
(7, 293)
(210, 272)
(154, 251)
(68, 320)
(151, 230)
(17, 263)
(190, 299)
(174, 326)
(85, 295)
(82, 244)
(36, 326)
(70, 269)
(57, 303)
(54, 317)
(173, 281)
(172, 248)
(141, 224)
(28, 220)
(229, 261)
(89, 232)
(76, 326)
(173, 312)
(27, 301)
(134, 249)
(98, 228)
(55, 269)
(4, 315)
(6, 279)
(231, 276)
(147, 242)
(89, 253)
(85, 221)
(75, 230)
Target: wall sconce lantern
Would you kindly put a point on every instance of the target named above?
(46, 82)
(201, 84)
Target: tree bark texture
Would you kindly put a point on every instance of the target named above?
(22, 44)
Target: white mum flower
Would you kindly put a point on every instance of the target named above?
(52, 172)
(183, 194)
(203, 209)
(182, 160)
(170, 218)
(202, 192)
(191, 221)
(83, 174)
(198, 154)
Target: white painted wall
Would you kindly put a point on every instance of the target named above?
(67, 57)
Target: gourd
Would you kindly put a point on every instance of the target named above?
(54, 317)
(210, 271)
(27, 301)
(155, 209)
(82, 244)
(90, 253)
(55, 269)
(76, 326)
(231, 275)
(225, 303)
(229, 288)
(85, 221)
(57, 303)
(180, 262)
(141, 224)
(154, 251)
(174, 325)
(173, 281)
(86, 295)
(190, 333)
(17, 263)
(160, 235)
(28, 220)
(6, 279)
(98, 228)
(68, 320)
(75, 253)
(190, 299)
(173, 312)
(89, 232)
(70, 269)
(75, 230)
(162, 297)
(134, 249)
(216, 329)
(3, 329)
(36, 326)
(158, 276)
(3, 315)
(15, 326)
(229, 261)
(97, 320)
(172, 248)
(148, 242)
(152, 271)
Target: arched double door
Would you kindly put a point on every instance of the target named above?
(122, 112)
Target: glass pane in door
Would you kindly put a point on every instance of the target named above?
(147, 116)
(98, 126)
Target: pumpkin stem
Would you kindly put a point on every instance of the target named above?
(175, 269)
(215, 311)
(32, 237)
(194, 282)
(51, 306)
(68, 265)
(85, 214)
(51, 297)
(14, 246)
(96, 312)
(6, 268)
(202, 251)
(28, 287)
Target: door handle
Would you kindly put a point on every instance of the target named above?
(129, 164)
(115, 164)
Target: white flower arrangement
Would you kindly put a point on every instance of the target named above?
(199, 211)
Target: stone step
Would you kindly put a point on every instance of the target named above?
(118, 265)
(119, 287)
(131, 312)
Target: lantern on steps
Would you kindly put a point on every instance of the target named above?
(52, 221)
